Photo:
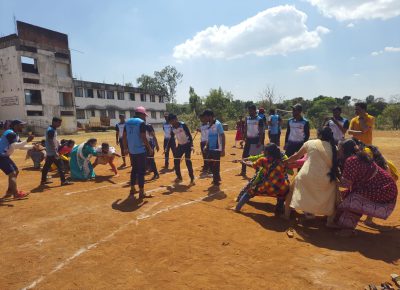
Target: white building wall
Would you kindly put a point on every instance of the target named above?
(12, 85)
(126, 105)
(12, 99)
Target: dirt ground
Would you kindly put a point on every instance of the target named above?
(91, 236)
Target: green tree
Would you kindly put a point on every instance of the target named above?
(195, 102)
(152, 85)
(219, 102)
(169, 78)
(320, 110)
(390, 116)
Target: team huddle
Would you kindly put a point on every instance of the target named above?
(367, 180)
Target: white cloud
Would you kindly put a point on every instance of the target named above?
(376, 53)
(356, 75)
(350, 25)
(278, 30)
(392, 49)
(344, 10)
(306, 68)
(386, 49)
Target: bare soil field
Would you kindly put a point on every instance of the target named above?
(90, 235)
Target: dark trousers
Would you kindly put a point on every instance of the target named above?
(138, 169)
(181, 150)
(215, 166)
(292, 147)
(152, 163)
(47, 164)
(275, 138)
(205, 155)
(121, 146)
(169, 144)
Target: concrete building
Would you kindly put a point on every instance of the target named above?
(36, 78)
(36, 84)
(107, 100)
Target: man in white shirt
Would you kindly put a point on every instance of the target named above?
(338, 124)
(169, 140)
(119, 134)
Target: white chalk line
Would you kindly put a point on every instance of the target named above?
(125, 182)
(135, 221)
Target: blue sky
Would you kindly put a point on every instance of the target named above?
(348, 47)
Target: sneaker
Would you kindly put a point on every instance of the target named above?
(67, 182)
(192, 181)
(46, 182)
(21, 194)
(178, 180)
(144, 195)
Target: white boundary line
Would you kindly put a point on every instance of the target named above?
(135, 221)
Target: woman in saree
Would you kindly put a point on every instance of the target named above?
(80, 166)
(371, 190)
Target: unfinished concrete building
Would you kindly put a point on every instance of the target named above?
(36, 78)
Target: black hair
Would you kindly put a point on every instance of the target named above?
(171, 117)
(378, 157)
(105, 145)
(362, 105)
(63, 142)
(91, 140)
(326, 134)
(252, 107)
(350, 148)
(337, 108)
(70, 142)
(208, 113)
(56, 119)
(272, 150)
(272, 111)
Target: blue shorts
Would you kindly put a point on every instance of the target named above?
(7, 165)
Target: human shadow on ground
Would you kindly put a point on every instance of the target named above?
(264, 206)
(104, 178)
(31, 169)
(129, 204)
(382, 244)
(214, 193)
(46, 187)
(175, 188)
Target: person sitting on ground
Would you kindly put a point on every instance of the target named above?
(370, 190)
(37, 153)
(79, 163)
(64, 152)
(106, 154)
(315, 186)
(271, 179)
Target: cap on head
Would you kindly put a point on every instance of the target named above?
(141, 110)
(297, 107)
(17, 122)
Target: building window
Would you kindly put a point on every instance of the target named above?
(103, 113)
(132, 96)
(101, 94)
(66, 99)
(121, 96)
(62, 70)
(152, 98)
(161, 114)
(142, 97)
(67, 113)
(111, 114)
(153, 114)
(30, 81)
(33, 97)
(89, 93)
(78, 92)
(34, 113)
(80, 114)
(91, 113)
(29, 65)
(160, 99)
(132, 114)
(110, 95)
